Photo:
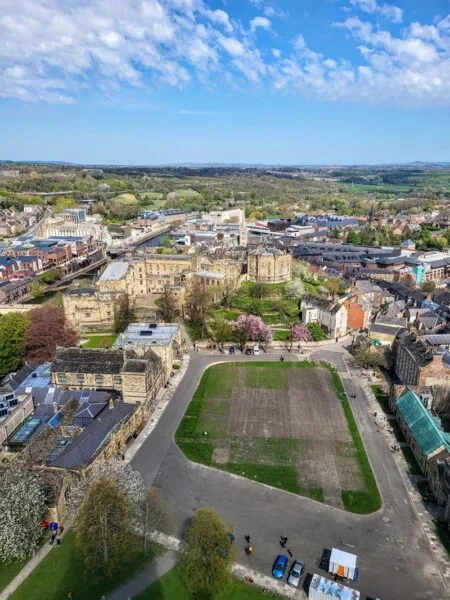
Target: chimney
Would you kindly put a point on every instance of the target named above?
(110, 403)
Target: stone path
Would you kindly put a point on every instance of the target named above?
(146, 577)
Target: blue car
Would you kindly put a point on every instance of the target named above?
(280, 566)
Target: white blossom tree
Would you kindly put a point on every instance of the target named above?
(295, 289)
(129, 481)
(23, 501)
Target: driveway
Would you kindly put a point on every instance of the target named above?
(394, 556)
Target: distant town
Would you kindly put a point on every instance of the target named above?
(270, 343)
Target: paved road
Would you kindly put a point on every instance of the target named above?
(395, 559)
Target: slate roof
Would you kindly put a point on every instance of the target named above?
(88, 360)
(266, 252)
(86, 291)
(424, 428)
(385, 329)
(16, 379)
(417, 348)
(83, 448)
(438, 339)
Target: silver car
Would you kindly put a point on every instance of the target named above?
(296, 572)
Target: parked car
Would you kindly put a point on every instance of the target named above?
(248, 351)
(296, 572)
(280, 566)
(256, 351)
(232, 350)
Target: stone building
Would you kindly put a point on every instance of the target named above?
(417, 364)
(164, 339)
(120, 371)
(269, 265)
(88, 310)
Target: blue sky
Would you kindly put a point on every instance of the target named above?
(236, 81)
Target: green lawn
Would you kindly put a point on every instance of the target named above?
(62, 571)
(203, 434)
(280, 335)
(99, 340)
(411, 460)
(382, 398)
(170, 587)
(9, 571)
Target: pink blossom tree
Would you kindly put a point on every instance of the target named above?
(252, 328)
(298, 333)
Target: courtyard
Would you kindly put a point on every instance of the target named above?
(287, 424)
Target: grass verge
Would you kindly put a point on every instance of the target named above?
(170, 587)
(382, 398)
(9, 571)
(357, 502)
(100, 341)
(411, 460)
(63, 571)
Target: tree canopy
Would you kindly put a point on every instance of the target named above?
(208, 556)
(124, 313)
(22, 506)
(104, 528)
(47, 329)
(12, 341)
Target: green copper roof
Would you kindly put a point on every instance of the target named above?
(423, 426)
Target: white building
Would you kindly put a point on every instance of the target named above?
(331, 315)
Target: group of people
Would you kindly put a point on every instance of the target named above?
(55, 536)
(249, 548)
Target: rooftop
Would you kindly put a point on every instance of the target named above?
(114, 271)
(425, 428)
(80, 450)
(421, 354)
(147, 334)
(88, 360)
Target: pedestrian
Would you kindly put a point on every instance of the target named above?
(61, 529)
(250, 550)
(282, 543)
(52, 537)
(284, 538)
(231, 537)
(248, 539)
(289, 552)
(58, 540)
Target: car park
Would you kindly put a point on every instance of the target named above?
(296, 573)
(280, 566)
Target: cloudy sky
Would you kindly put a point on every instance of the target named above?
(254, 81)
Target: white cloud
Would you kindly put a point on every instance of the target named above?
(389, 11)
(220, 17)
(50, 49)
(260, 22)
(410, 70)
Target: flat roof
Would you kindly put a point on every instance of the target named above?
(333, 589)
(115, 270)
(147, 334)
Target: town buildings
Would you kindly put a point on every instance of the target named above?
(417, 364)
(331, 314)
